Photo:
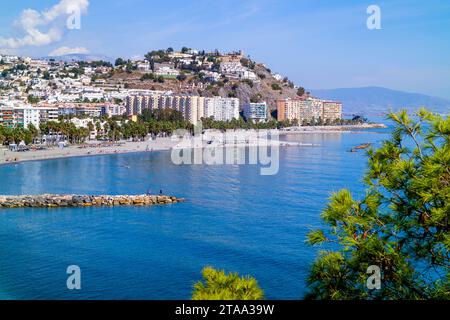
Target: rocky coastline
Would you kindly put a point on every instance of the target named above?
(57, 201)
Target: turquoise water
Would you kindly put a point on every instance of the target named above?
(235, 219)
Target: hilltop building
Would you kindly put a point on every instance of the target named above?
(232, 57)
(235, 70)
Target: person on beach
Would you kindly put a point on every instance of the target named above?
(160, 192)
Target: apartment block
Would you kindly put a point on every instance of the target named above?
(221, 109)
(193, 108)
(91, 110)
(48, 113)
(256, 112)
(308, 109)
(23, 116)
(7, 116)
(332, 110)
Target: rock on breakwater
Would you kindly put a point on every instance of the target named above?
(56, 201)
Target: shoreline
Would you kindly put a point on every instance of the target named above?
(95, 148)
(74, 151)
(333, 129)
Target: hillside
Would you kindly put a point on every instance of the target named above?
(265, 88)
(256, 91)
(245, 91)
(375, 100)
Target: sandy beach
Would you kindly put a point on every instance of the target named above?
(94, 149)
(89, 149)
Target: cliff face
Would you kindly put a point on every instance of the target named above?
(260, 91)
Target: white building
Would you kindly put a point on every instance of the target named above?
(26, 115)
(89, 70)
(179, 55)
(9, 58)
(221, 109)
(92, 94)
(277, 76)
(113, 110)
(211, 76)
(167, 71)
(143, 65)
(67, 97)
(237, 71)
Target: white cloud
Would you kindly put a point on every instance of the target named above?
(53, 20)
(67, 50)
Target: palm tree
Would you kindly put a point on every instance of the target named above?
(34, 132)
(90, 126)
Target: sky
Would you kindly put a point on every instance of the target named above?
(318, 44)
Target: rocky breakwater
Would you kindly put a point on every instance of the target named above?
(56, 201)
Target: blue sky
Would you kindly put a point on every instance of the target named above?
(316, 43)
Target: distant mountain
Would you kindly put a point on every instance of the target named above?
(377, 100)
(80, 57)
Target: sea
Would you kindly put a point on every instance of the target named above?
(234, 219)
